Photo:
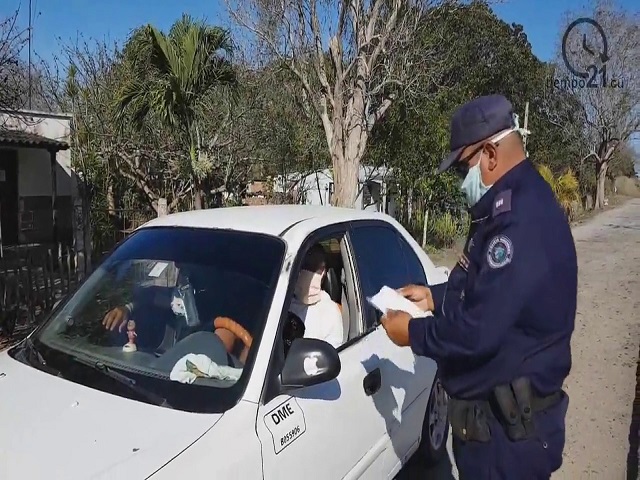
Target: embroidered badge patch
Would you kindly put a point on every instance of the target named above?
(500, 251)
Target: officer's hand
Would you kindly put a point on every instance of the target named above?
(116, 317)
(419, 295)
(396, 324)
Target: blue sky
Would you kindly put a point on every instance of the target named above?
(114, 19)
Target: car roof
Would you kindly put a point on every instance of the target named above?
(267, 219)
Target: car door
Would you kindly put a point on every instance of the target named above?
(336, 429)
(383, 257)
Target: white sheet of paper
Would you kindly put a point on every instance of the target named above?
(388, 299)
(157, 270)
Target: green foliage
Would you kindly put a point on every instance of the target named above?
(170, 77)
(482, 55)
(444, 230)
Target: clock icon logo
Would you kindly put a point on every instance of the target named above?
(602, 55)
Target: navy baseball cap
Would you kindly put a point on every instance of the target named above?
(477, 120)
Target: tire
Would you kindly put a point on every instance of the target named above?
(435, 427)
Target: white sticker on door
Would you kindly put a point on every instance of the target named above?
(285, 423)
(3, 176)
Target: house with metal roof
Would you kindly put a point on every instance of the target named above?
(37, 183)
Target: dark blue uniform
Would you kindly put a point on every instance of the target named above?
(508, 311)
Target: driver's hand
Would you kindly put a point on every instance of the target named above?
(116, 317)
(419, 295)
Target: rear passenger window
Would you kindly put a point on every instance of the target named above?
(380, 261)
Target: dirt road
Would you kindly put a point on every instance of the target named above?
(601, 385)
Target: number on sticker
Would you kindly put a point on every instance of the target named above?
(289, 436)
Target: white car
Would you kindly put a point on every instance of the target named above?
(78, 401)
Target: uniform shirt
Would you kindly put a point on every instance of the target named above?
(510, 303)
(322, 320)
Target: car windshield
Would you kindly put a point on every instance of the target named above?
(171, 312)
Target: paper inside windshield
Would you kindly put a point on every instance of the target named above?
(388, 299)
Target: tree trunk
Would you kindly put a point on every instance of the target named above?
(198, 195)
(409, 205)
(345, 179)
(602, 176)
(111, 200)
(194, 153)
(349, 137)
(424, 227)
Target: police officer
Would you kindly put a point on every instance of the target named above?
(502, 327)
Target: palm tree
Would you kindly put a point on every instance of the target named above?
(170, 77)
(565, 187)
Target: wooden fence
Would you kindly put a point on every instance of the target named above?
(32, 279)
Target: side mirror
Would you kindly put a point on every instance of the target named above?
(309, 362)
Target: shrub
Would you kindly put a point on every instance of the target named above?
(444, 230)
(565, 187)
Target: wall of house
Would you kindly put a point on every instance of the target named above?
(34, 178)
(316, 189)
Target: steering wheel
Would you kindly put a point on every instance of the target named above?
(238, 331)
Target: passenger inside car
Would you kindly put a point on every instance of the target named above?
(320, 314)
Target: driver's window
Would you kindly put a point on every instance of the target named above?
(319, 307)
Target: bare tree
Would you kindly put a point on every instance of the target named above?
(352, 59)
(605, 57)
(12, 41)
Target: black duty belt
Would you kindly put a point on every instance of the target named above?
(512, 405)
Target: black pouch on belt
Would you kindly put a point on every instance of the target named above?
(524, 398)
(469, 420)
(510, 416)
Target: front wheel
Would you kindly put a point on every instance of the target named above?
(435, 427)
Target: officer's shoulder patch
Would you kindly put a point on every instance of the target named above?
(502, 203)
(500, 251)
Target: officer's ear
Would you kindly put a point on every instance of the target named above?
(491, 153)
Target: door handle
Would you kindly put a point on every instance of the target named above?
(372, 382)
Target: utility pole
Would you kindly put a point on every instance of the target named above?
(30, 15)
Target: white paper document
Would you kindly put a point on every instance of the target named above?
(388, 299)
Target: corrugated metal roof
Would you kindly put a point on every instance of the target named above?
(18, 138)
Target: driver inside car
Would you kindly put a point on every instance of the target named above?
(320, 314)
(150, 307)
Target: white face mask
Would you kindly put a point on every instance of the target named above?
(308, 287)
(472, 186)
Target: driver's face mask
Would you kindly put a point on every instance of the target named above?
(309, 287)
(183, 302)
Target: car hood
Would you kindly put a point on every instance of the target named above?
(51, 428)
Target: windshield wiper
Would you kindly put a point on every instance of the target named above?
(124, 380)
(31, 351)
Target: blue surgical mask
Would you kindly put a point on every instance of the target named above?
(472, 185)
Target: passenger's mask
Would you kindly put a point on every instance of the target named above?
(472, 186)
(308, 287)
